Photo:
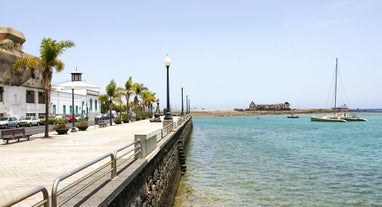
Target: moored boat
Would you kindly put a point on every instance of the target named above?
(327, 119)
(292, 116)
(352, 118)
(341, 116)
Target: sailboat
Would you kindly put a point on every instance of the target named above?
(337, 117)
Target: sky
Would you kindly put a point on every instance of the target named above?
(226, 53)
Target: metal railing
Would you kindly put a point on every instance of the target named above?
(129, 153)
(126, 155)
(35, 191)
(81, 180)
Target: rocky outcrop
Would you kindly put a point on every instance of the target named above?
(26, 76)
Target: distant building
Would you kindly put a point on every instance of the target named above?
(278, 107)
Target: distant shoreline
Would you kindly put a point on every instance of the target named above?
(220, 113)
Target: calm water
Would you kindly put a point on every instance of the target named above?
(275, 161)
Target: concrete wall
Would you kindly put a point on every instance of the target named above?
(151, 180)
(157, 183)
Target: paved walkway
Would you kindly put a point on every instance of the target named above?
(27, 164)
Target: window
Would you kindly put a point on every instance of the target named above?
(71, 109)
(30, 114)
(1, 94)
(95, 105)
(76, 110)
(64, 109)
(54, 110)
(30, 97)
(91, 105)
(41, 97)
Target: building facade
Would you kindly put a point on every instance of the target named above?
(264, 107)
(85, 98)
(22, 93)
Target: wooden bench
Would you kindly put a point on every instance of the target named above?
(17, 134)
(102, 123)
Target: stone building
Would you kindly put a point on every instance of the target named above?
(22, 93)
(277, 107)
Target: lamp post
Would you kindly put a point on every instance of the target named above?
(167, 63)
(186, 103)
(73, 117)
(181, 88)
(189, 104)
(76, 77)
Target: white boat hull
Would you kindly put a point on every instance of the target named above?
(326, 119)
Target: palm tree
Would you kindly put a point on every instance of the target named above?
(104, 100)
(147, 98)
(128, 88)
(119, 92)
(111, 93)
(49, 51)
(138, 88)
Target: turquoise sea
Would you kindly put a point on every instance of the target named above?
(276, 161)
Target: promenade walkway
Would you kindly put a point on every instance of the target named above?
(27, 164)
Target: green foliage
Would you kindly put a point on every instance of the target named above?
(60, 123)
(50, 121)
(117, 120)
(82, 124)
(125, 118)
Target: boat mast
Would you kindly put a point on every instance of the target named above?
(335, 86)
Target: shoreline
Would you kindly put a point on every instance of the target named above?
(227, 112)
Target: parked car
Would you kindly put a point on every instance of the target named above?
(9, 121)
(69, 117)
(30, 121)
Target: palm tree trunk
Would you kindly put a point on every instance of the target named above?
(111, 118)
(46, 112)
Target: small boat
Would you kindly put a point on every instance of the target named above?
(292, 116)
(327, 119)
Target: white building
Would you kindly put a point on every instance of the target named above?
(85, 98)
(22, 93)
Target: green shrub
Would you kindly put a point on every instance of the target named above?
(60, 123)
(83, 124)
(125, 118)
(117, 120)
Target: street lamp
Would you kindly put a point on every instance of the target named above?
(186, 103)
(167, 63)
(76, 77)
(181, 87)
(189, 104)
(73, 117)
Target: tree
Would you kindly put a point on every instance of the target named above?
(103, 99)
(49, 51)
(148, 98)
(128, 88)
(111, 93)
(119, 92)
(138, 88)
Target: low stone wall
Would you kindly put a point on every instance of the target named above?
(157, 182)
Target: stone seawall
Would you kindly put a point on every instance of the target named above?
(156, 183)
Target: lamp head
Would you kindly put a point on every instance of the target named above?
(167, 61)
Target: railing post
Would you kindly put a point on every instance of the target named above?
(113, 165)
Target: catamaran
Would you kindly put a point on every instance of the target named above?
(339, 116)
